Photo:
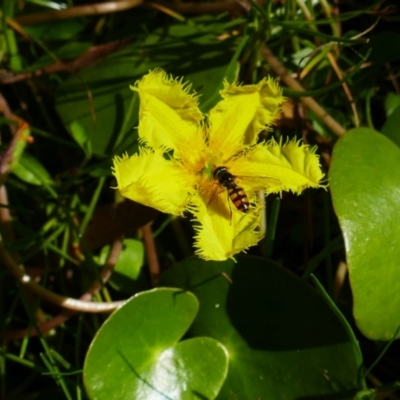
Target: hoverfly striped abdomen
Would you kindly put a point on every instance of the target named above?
(235, 193)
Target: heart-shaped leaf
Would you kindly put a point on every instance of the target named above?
(284, 342)
(365, 185)
(136, 354)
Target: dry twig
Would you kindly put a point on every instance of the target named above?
(151, 252)
(282, 72)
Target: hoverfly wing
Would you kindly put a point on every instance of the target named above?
(259, 183)
(218, 202)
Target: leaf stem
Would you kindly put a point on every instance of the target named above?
(151, 252)
(335, 244)
(271, 229)
(356, 348)
(92, 205)
(382, 353)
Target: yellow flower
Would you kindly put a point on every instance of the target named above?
(175, 170)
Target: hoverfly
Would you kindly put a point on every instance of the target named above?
(235, 193)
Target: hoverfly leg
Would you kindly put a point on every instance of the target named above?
(230, 210)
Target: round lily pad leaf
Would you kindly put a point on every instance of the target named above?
(365, 186)
(284, 342)
(136, 354)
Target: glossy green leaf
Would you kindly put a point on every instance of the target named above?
(391, 129)
(136, 354)
(127, 274)
(365, 186)
(284, 341)
(111, 117)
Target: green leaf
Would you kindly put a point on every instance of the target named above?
(80, 136)
(283, 339)
(213, 81)
(31, 171)
(392, 101)
(302, 57)
(365, 190)
(391, 129)
(368, 394)
(127, 275)
(136, 354)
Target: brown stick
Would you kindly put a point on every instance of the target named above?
(5, 216)
(77, 11)
(346, 88)
(107, 270)
(151, 252)
(6, 111)
(85, 60)
(292, 83)
(6, 160)
(121, 5)
(62, 301)
(65, 315)
(204, 8)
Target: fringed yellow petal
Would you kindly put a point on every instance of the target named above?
(169, 114)
(241, 115)
(152, 180)
(221, 235)
(276, 167)
(174, 170)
